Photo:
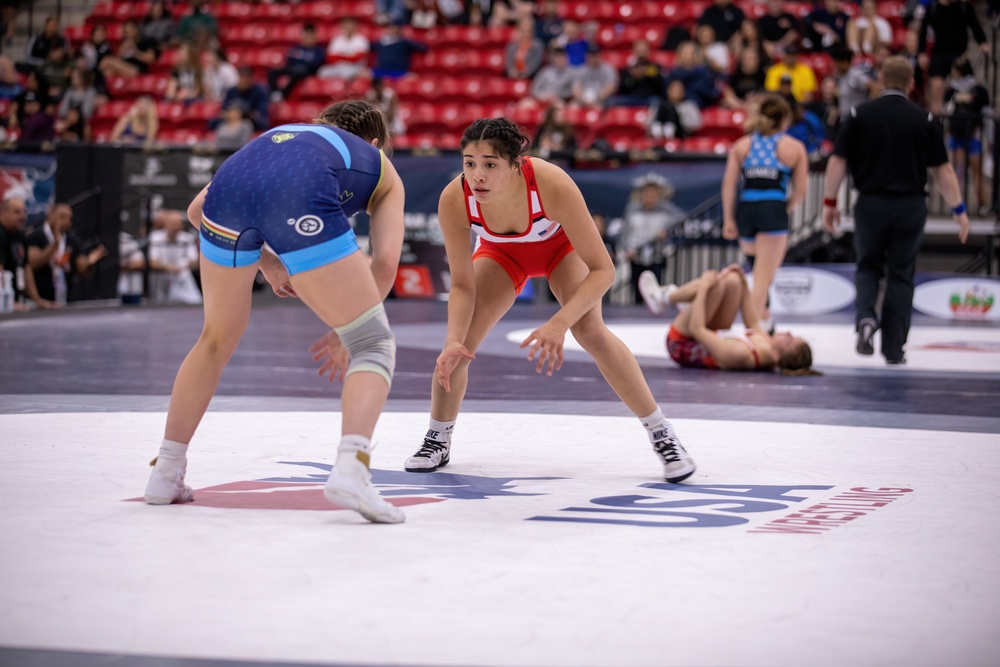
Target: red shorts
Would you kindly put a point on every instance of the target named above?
(688, 352)
(526, 260)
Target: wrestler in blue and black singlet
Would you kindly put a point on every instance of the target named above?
(294, 187)
(764, 194)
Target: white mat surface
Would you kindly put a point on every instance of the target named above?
(472, 579)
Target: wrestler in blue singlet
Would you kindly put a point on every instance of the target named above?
(763, 198)
(295, 188)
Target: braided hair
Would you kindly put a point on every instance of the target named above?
(504, 135)
(358, 117)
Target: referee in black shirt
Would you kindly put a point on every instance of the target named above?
(889, 143)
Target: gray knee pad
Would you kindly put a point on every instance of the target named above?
(370, 343)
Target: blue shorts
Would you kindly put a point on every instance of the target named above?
(290, 200)
(971, 145)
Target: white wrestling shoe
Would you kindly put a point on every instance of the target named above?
(677, 463)
(166, 486)
(655, 296)
(350, 486)
(431, 456)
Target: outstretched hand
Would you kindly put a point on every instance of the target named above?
(447, 361)
(547, 342)
(331, 351)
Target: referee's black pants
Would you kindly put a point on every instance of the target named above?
(887, 235)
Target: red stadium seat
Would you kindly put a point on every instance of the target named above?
(624, 121)
(724, 123)
(706, 145)
(315, 89)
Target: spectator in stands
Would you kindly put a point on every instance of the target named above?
(81, 95)
(95, 49)
(756, 201)
(826, 107)
(965, 99)
(699, 81)
(555, 133)
(746, 79)
(11, 83)
(36, 90)
(424, 14)
(640, 84)
(199, 27)
(385, 98)
(596, 81)
(950, 21)
(135, 55)
(56, 70)
(391, 11)
(347, 53)
(724, 17)
(646, 221)
(712, 303)
(749, 38)
(49, 39)
(302, 60)
(38, 122)
(803, 78)
(158, 26)
(8, 25)
(393, 52)
(867, 29)
(218, 75)
(131, 267)
(778, 28)
(807, 127)
(676, 116)
(254, 96)
(550, 23)
(716, 53)
(918, 61)
(186, 78)
(523, 55)
(173, 258)
(58, 256)
(451, 12)
(14, 254)
(234, 129)
(554, 82)
(825, 27)
(574, 43)
(72, 127)
(139, 125)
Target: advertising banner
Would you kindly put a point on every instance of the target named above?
(32, 177)
(162, 180)
(971, 298)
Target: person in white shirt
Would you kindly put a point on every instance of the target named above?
(173, 253)
(347, 54)
(867, 30)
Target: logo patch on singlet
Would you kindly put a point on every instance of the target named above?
(282, 137)
(307, 225)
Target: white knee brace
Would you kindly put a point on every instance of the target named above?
(370, 343)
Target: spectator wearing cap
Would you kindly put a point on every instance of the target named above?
(801, 76)
(253, 95)
(724, 17)
(826, 26)
(393, 52)
(302, 60)
(38, 124)
(554, 82)
(646, 220)
(596, 81)
(347, 53)
(234, 129)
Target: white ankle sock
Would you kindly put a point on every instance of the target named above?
(172, 455)
(654, 423)
(355, 443)
(440, 431)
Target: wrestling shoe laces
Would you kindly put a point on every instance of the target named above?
(431, 456)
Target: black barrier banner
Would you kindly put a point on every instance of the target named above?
(162, 180)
